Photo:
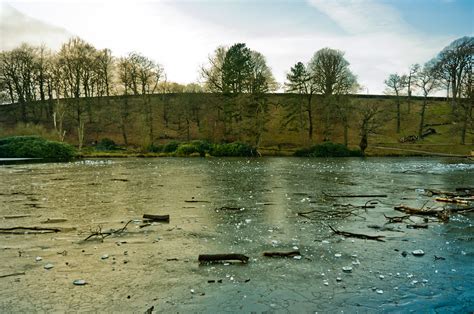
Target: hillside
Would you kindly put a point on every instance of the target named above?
(138, 121)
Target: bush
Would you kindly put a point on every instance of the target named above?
(235, 149)
(328, 149)
(106, 144)
(34, 147)
(170, 147)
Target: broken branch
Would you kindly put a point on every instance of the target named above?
(282, 254)
(159, 218)
(357, 235)
(222, 257)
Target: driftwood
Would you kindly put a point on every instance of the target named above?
(355, 195)
(282, 254)
(222, 257)
(100, 234)
(16, 230)
(357, 235)
(13, 274)
(159, 218)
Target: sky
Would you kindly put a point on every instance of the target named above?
(379, 37)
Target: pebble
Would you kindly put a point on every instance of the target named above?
(79, 282)
(297, 257)
(48, 266)
(326, 283)
(381, 276)
(379, 291)
(105, 256)
(338, 279)
(38, 258)
(338, 255)
(347, 269)
(418, 253)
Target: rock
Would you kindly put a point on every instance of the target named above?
(338, 255)
(79, 282)
(48, 266)
(379, 291)
(338, 279)
(297, 257)
(105, 256)
(381, 276)
(347, 269)
(418, 253)
(404, 253)
(38, 258)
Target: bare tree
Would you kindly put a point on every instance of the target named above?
(414, 68)
(396, 85)
(426, 80)
(372, 117)
(331, 76)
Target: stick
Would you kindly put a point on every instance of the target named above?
(357, 235)
(13, 230)
(396, 219)
(282, 254)
(228, 208)
(356, 195)
(14, 274)
(103, 235)
(222, 257)
(160, 218)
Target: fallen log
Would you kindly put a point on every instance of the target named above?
(282, 254)
(355, 195)
(158, 218)
(195, 201)
(357, 235)
(451, 200)
(222, 257)
(16, 230)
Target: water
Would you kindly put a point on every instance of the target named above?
(269, 193)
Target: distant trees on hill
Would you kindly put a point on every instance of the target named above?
(241, 78)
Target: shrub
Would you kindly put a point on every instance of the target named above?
(154, 148)
(106, 144)
(170, 147)
(328, 149)
(235, 149)
(34, 147)
(186, 150)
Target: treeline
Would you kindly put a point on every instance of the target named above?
(34, 79)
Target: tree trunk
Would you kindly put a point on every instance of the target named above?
(398, 114)
(422, 118)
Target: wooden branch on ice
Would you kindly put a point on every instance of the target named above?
(13, 274)
(440, 214)
(396, 219)
(157, 218)
(16, 230)
(355, 195)
(451, 200)
(357, 235)
(104, 235)
(282, 254)
(222, 257)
